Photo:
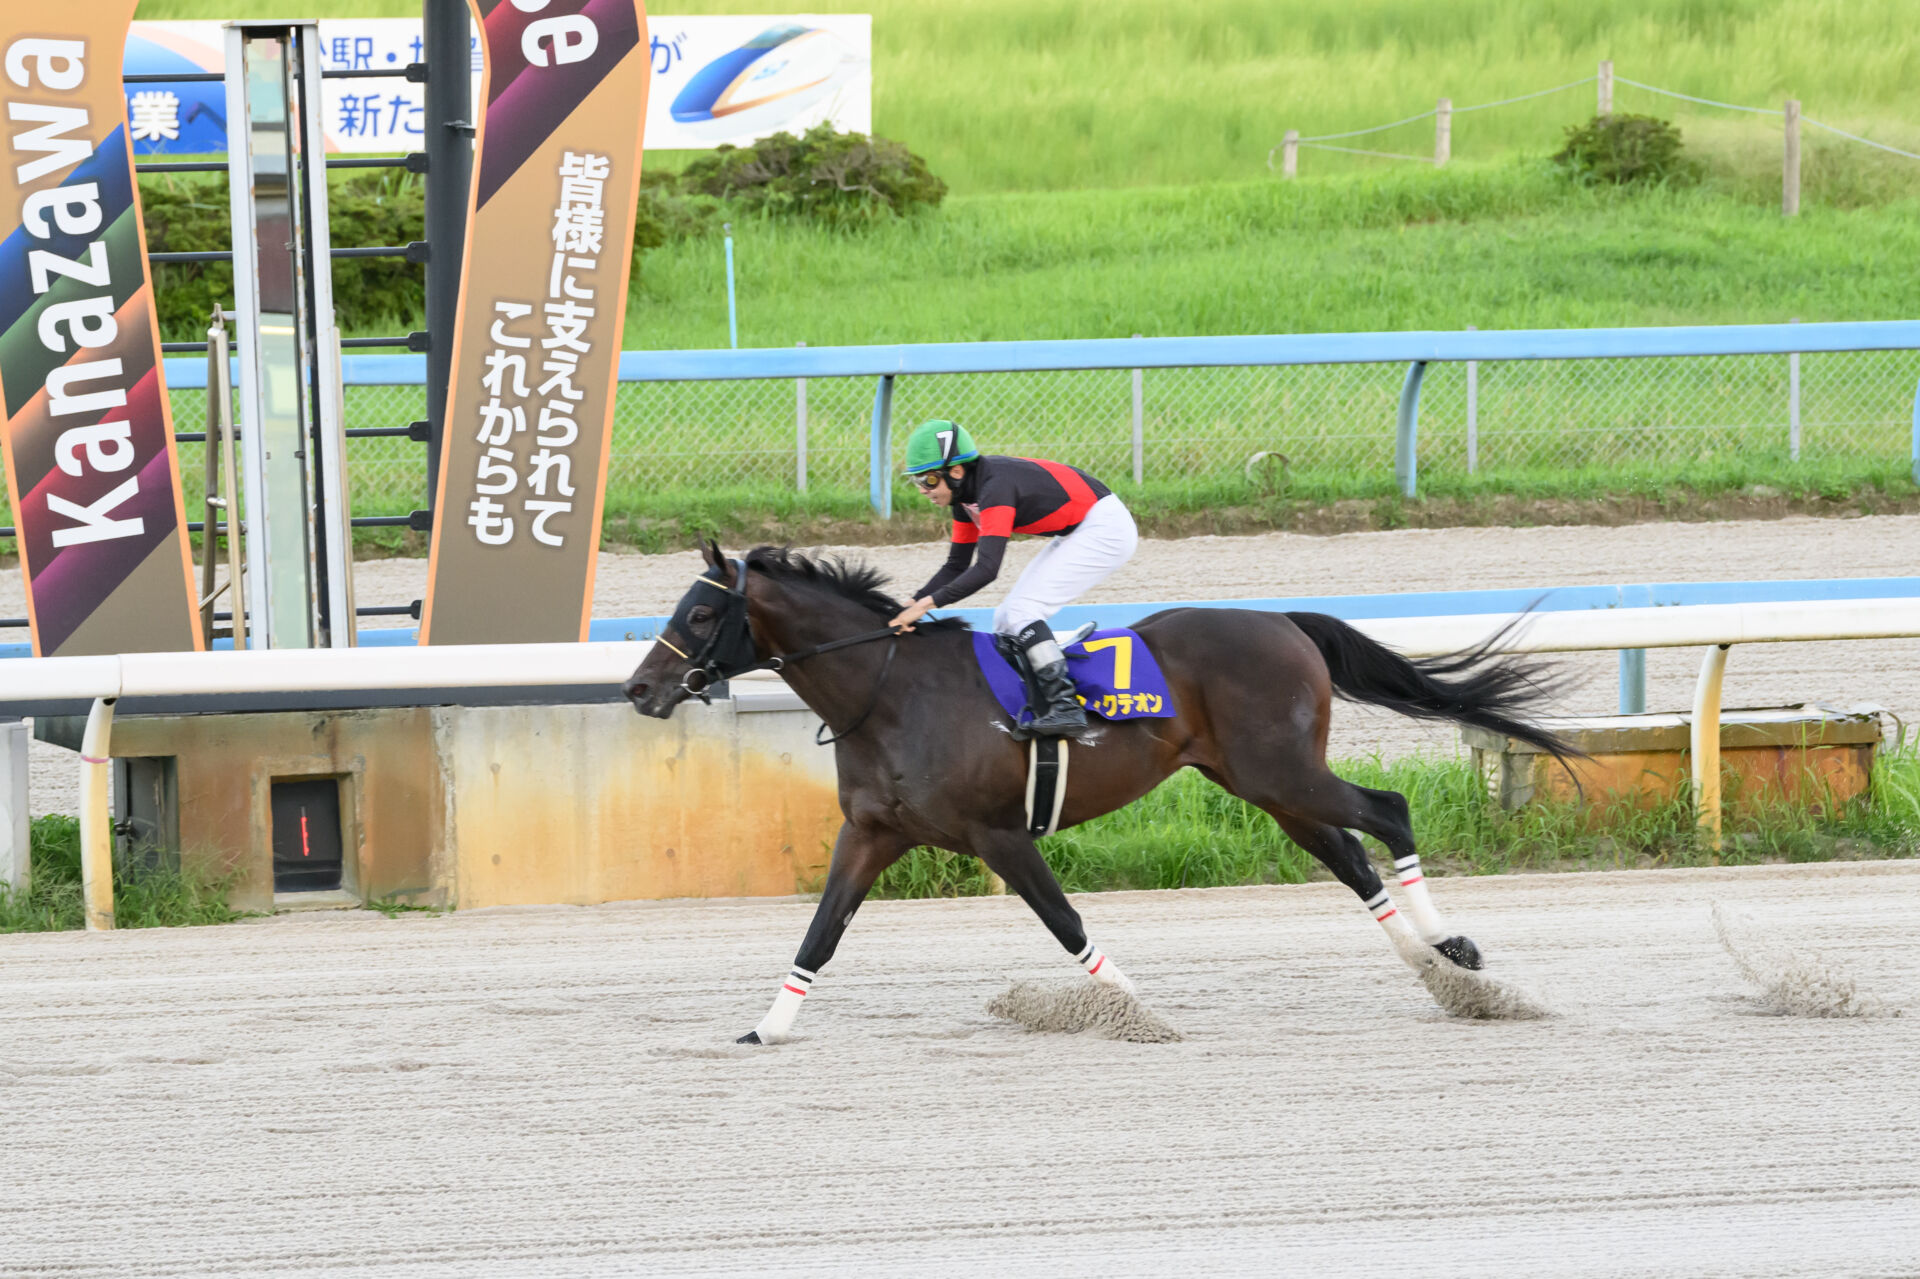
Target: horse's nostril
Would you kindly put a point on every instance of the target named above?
(636, 691)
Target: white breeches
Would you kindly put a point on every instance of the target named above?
(1068, 567)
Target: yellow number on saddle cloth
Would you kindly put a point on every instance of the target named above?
(1122, 646)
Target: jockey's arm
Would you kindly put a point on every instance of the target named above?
(959, 555)
(985, 567)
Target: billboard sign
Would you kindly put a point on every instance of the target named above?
(84, 421)
(714, 80)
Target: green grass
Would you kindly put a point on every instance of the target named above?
(142, 897)
(1191, 834)
(1059, 94)
(1506, 246)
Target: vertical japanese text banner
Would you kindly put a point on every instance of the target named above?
(543, 294)
(87, 434)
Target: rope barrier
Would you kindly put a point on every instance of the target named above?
(1318, 141)
(1688, 97)
(1571, 84)
(1857, 138)
(1378, 128)
(1384, 155)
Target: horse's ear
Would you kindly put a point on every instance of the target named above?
(711, 552)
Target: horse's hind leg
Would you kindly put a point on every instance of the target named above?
(1342, 853)
(1320, 816)
(1392, 825)
(1013, 856)
(859, 855)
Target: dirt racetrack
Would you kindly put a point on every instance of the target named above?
(1290, 564)
(555, 1092)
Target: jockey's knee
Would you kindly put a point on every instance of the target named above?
(1010, 618)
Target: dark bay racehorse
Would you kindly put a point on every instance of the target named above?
(925, 756)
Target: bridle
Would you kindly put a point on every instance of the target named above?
(720, 656)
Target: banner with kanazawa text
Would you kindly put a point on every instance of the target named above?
(523, 460)
(87, 436)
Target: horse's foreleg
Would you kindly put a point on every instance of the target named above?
(859, 855)
(1013, 856)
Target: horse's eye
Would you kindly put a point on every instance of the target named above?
(700, 614)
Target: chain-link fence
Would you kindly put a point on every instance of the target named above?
(1325, 427)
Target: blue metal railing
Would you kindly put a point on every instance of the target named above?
(1415, 349)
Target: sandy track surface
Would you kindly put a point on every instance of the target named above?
(1289, 564)
(555, 1092)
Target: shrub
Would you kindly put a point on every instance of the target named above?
(1620, 149)
(373, 293)
(836, 178)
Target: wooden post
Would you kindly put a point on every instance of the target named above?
(1443, 132)
(1290, 154)
(1790, 162)
(1605, 105)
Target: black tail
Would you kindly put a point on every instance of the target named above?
(1488, 692)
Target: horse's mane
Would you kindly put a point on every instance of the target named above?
(853, 580)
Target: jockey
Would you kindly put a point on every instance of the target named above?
(993, 498)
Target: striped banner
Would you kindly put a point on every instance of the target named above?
(87, 438)
(543, 299)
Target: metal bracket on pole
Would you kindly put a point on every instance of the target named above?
(1406, 442)
(1705, 751)
(879, 470)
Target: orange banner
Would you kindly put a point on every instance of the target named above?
(543, 300)
(87, 433)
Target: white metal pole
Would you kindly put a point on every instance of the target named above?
(96, 819)
(1473, 413)
(800, 430)
(1290, 154)
(1706, 744)
(1139, 429)
(16, 831)
(1793, 402)
(1443, 132)
(1605, 104)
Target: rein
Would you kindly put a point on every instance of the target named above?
(712, 670)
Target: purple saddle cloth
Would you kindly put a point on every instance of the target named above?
(1114, 671)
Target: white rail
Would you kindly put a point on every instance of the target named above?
(104, 680)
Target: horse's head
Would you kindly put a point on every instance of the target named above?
(705, 641)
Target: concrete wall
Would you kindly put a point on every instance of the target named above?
(490, 806)
(390, 801)
(595, 803)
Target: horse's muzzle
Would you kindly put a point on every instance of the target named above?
(653, 698)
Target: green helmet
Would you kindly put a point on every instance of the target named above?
(938, 444)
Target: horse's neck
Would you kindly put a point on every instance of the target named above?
(836, 685)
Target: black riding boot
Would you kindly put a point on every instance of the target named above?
(1057, 708)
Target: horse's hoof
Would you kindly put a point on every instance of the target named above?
(751, 1037)
(1461, 951)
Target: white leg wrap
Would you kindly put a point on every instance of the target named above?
(777, 1026)
(1419, 903)
(1102, 969)
(1406, 943)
